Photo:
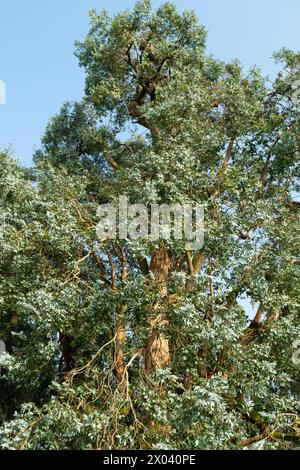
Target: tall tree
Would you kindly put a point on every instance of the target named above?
(148, 344)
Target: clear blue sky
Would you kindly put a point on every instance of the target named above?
(40, 70)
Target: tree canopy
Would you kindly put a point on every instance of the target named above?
(143, 344)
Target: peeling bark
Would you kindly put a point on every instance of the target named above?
(120, 341)
(157, 353)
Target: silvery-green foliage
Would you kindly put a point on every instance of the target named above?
(161, 122)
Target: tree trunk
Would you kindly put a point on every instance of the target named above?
(157, 353)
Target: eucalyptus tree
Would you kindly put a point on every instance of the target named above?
(141, 343)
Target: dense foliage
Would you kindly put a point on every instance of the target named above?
(137, 343)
